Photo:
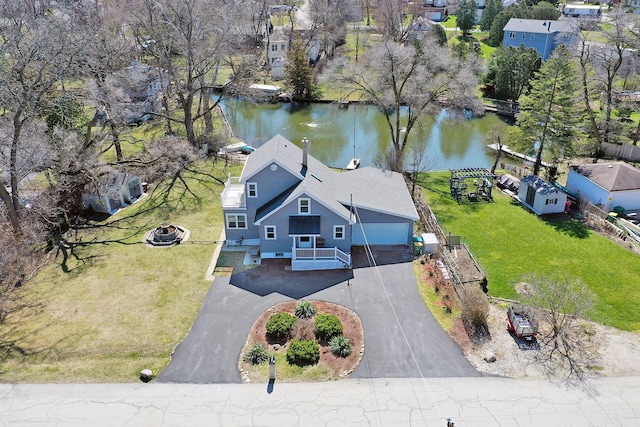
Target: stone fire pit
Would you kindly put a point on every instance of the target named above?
(166, 235)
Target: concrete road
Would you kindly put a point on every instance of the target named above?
(402, 339)
(469, 402)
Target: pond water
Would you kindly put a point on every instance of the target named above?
(335, 134)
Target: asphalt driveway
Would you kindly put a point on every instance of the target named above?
(402, 339)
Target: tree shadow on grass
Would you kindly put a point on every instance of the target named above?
(568, 225)
(562, 222)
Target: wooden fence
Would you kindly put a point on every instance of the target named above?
(624, 151)
(430, 224)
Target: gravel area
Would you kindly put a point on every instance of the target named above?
(619, 351)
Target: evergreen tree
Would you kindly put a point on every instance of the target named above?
(497, 26)
(439, 33)
(514, 68)
(549, 114)
(298, 72)
(522, 11)
(494, 7)
(545, 10)
(466, 17)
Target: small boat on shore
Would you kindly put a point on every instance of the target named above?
(353, 164)
(234, 148)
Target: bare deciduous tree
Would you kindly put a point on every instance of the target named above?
(562, 304)
(38, 52)
(408, 83)
(601, 65)
(190, 37)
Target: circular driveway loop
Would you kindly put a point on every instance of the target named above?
(402, 338)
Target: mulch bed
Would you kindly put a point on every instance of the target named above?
(339, 367)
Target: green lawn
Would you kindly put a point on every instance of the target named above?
(509, 242)
(126, 308)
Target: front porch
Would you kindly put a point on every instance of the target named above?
(319, 259)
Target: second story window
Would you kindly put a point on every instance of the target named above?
(304, 206)
(512, 35)
(252, 189)
(274, 48)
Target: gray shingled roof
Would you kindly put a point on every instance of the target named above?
(541, 186)
(617, 176)
(537, 26)
(371, 188)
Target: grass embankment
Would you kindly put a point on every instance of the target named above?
(127, 307)
(509, 242)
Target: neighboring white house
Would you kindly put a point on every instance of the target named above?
(606, 184)
(118, 190)
(541, 196)
(582, 10)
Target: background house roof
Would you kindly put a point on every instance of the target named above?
(538, 26)
(617, 176)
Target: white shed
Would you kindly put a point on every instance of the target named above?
(541, 196)
(430, 244)
(606, 184)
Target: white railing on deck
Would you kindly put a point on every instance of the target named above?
(233, 194)
(321, 254)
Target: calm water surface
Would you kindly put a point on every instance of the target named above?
(335, 133)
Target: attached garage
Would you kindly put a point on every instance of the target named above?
(380, 234)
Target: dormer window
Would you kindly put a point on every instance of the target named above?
(252, 189)
(304, 206)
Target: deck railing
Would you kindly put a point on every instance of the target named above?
(233, 194)
(321, 254)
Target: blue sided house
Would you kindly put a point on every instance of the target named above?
(293, 206)
(542, 35)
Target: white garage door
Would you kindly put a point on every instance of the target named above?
(380, 234)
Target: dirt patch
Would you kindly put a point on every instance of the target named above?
(337, 367)
(618, 351)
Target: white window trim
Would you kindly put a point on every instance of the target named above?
(300, 212)
(335, 228)
(237, 216)
(266, 232)
(249, 189)
(512, 35)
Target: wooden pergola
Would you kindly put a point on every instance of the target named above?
(483, 181)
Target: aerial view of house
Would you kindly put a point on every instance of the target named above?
(293, 206)
(606, 184)
(542, 35)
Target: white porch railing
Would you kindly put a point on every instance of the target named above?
(321, 254)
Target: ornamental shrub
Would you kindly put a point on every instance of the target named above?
(340, 346)
(304, 310)
(328, 326)
(256, 355)
(279, 325)
(303, 352)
